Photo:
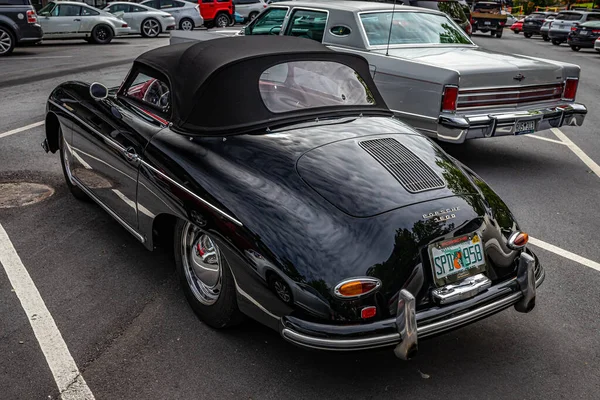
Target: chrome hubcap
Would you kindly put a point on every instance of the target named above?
(186, 25)
(202, 264)
(5, 41)
(282, 291)
(151, 28)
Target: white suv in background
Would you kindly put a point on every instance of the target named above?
(187, 15)
(249, 9)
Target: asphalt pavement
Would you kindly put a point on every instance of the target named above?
(132, 335)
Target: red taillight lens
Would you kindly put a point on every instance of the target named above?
(449, 98)
(31, 17)
(573, 28)
(570, 89)
(124, 26)
(368, 312)
(596, 31)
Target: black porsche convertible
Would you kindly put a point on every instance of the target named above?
(301, 202)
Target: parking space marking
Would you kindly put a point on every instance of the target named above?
(578, 152)
(564, 253)
(545, 139)
(22, 129)
(66, 374)
(38, 58)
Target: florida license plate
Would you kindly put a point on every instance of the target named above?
(524, 127)
(584, 33)
(456, 259)
(487, 22)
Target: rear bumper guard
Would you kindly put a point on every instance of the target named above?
(408, 331)
(458, 127)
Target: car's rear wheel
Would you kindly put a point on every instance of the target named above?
(556, 42)
(546, 38)
(66, 167)
(150, 28)
(222, 20)
(7, 41)
(186, 24)
(102, 34)
(527, 34)
(575, 48)
(499, 34)
(205, 276)
(516, 31)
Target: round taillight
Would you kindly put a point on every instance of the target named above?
(518, 240)
(355, 287)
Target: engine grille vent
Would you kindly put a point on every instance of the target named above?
(414, 175)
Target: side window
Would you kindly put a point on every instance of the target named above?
(308, 24)
(153, 4)
(269, 23)
(67, 10)
(151, 92)
(88, 11)
(120, 7)
(593, 17)
(137, 9)
(178, 4)
(167, 4)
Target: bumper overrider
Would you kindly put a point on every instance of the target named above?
(460, 127)
(409, 326)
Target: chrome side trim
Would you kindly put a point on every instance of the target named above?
(415, 115)
(125, 225)
(200, 199)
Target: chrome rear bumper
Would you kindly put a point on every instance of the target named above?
(458, 127)
(407, 329)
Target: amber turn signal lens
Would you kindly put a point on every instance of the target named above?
(356, 287)
(518, 240)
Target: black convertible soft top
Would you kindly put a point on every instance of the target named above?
(215, 83)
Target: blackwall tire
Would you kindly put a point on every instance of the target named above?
(205, 276)
(102, 34)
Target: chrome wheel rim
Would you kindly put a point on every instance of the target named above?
(282, 291)
(5, 41)
(202, 264)
(151, 28)
(222, 21)
(186, 25)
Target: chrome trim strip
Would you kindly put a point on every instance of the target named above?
(414, 115)
(125, 225)
(223, 213)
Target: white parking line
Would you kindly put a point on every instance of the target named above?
(564, 253)
(578, 152)
(22, 129)
(39, 58)
(66, 374)
(545, 139)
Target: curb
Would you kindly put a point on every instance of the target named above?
(54, 74)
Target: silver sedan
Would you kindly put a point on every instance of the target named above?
(142, 19)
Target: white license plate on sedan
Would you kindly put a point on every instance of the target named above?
(524, 127)
(487, 22)
(456, 259)
(584, 33)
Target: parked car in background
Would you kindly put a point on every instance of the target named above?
(565, 20)
(142, 19)
(487, 16)
(18, 25)
(597, 45)
(238, 19)
(77, 20)
(217, 13)
(534, 21)
(187, 15)
(584, 36)
(249, 9)
(453, 8)
(433, 76)
(510, 19)
(546, 28)
(306, 206)
(517, 26)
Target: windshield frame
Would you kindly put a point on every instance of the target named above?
(368, 45)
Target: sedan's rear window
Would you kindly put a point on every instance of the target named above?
(591, 24)
(299, 85)
(569, 16)
(411, 28)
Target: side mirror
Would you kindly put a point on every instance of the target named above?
(98, 91)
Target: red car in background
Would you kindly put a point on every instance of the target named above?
(517, 26)
(217, 13)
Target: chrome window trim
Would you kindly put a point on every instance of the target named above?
(394, 46)
(301, 8)
(343, 26)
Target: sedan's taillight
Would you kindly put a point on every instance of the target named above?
(596, 31)
(573, 28)
(124, 26)
(31, 17)
(449, 98)
(570, 89)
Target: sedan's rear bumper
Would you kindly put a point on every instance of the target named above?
(409, 325)
(122, 31)
(597, 45)
(558, 35)
(457, 128)
(584, 43)
(533, 29)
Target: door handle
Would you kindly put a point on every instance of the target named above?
(130, 154)
(77, 19)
